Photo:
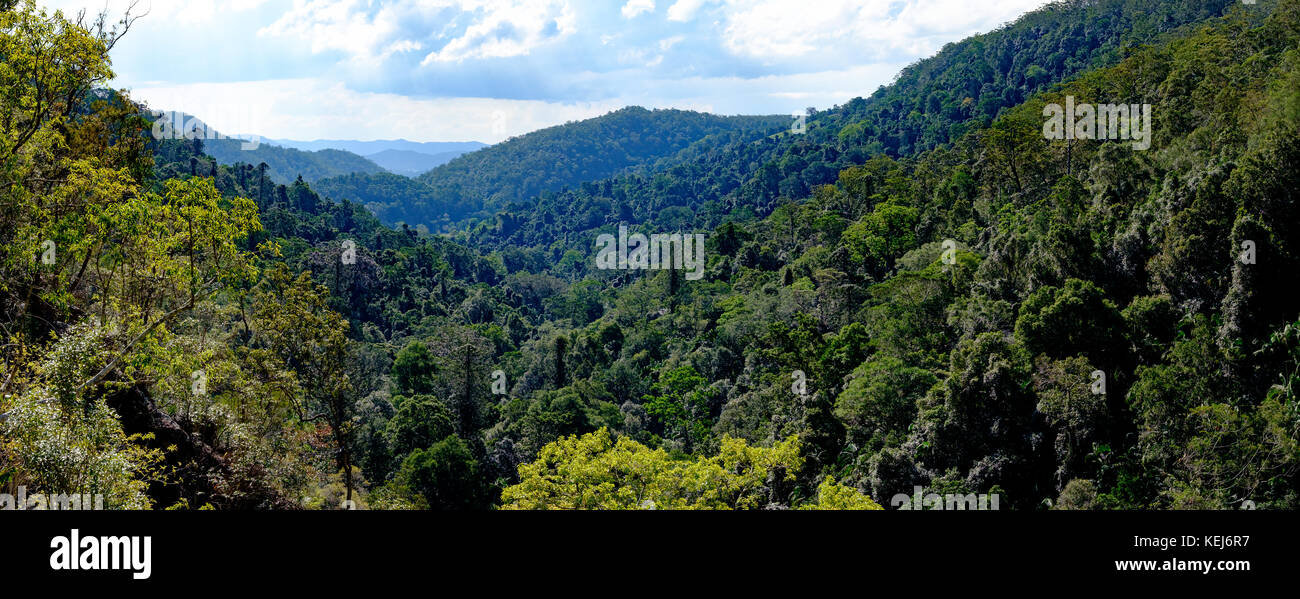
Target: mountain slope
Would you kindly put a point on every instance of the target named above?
(283, 164)
(366, 148)
(412, 164)
(286, 164)
(567, 155)
(384, 194)
(932, 102)
(1073, 325)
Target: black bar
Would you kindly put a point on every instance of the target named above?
(533, 551)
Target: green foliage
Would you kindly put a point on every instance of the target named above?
(1076, 319)
(880, 400)
(446, 476)
(414, 368)
(420, 422)
(552, 159)
(284, 165)
(932, 103)
(552, 414)
(595, 471)
(882, 237)
(834, 496)
(1076, 414)
(57, 445)
(682, 403)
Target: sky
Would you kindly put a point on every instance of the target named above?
(486, 70)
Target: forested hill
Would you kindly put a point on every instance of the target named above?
(398, 156)
(645, 161)
(412, 164)
(938, 99)
(388, 196)
(564, 156)
(369, 148)
(284, 165)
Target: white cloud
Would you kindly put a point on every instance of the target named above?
(636, 7)
(774, 29)
(311, 59)
(403, 46)
(771, 28)
(340, 25)
(369, 32)
(508, 28)
(684, 10)
(770, 94)
(274, 109)
(668, 43)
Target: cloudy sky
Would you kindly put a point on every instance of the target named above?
(484, 70)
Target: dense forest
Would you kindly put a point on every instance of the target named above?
(931, 104)
(552, 159)
(286, 164)
(472, 186)
(921, 290)
(282, 164)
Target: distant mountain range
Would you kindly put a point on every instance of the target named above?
(286, 164)
(368, 148)
(399, 156)
(438, 184)
(565, 156)
(410, 163)
(545, 161)
(287, 160)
